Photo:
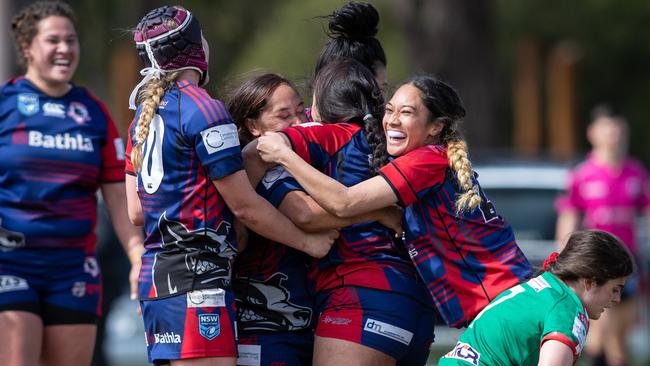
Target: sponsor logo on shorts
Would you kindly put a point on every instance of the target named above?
(10, 240)
(91, 267)
(389, 331)
(206, 298)
(209, 326)
(167, 337)
(465, 352)
(79, 289)
(336, 321)
(249, 355)
(273, 175)
(12, 283)
(220, 138)
(28, 103)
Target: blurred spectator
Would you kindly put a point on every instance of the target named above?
(59, 146)
(607, 191)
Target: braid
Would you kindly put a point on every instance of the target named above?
(460, 164)
(376, 142)
(150, 97)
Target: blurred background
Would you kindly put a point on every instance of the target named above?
(529, 73)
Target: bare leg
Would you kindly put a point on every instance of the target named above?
(65, 345)
(337, 352)
(24, 333)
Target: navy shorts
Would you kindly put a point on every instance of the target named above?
(197, 324)
(294, 348)
(397, 325)
(62, 286)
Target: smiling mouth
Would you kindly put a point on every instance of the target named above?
(395, 136)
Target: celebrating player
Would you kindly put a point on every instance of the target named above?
(366, 283)
(464, 251)
(184, 158)
(273, 292)
(59, 145)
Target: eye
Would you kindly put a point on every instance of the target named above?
(388, 110)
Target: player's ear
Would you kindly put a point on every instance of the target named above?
(251, 125)
(434, 129)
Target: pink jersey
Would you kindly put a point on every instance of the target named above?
(610, 198)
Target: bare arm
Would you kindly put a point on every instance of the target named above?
(131, 237)
(253, 163)
(342, 201)
(555, 353)
(260, 216)
(133, 201)
(309, 216)
(567, 222)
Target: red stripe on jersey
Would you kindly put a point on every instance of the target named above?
(112, 164)
(206, 115)
(562, 338)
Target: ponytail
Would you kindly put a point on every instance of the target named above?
(150, 97)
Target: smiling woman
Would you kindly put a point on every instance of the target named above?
(60, 145)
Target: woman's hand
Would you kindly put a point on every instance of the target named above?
(391, 217)
(318, 244)
(272, 147)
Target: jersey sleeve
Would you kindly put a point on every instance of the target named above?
(566, 324)
(571, 199)
(129, 169)
(215, 141)
(112, 153)
(276, 184)
(411, 175)
(316, 143)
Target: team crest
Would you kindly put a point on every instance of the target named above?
(28, 104)
(209, 326)
(78, 112)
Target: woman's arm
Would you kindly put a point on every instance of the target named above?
(342, 201)
(555, 353)
(133, 201)
(115, 199)
(309, 216)
(260, 216)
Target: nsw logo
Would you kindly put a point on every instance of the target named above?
(209, 326)
(28, 104)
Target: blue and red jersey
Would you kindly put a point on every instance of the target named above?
(272, 288)
(56, 151)
(365, 254)
(190, 241)
(465, 259)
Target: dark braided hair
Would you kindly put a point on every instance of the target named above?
(346, 91)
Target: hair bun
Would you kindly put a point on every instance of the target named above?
(355, 21)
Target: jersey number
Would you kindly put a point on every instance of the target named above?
(513, 292)
(152, 171)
